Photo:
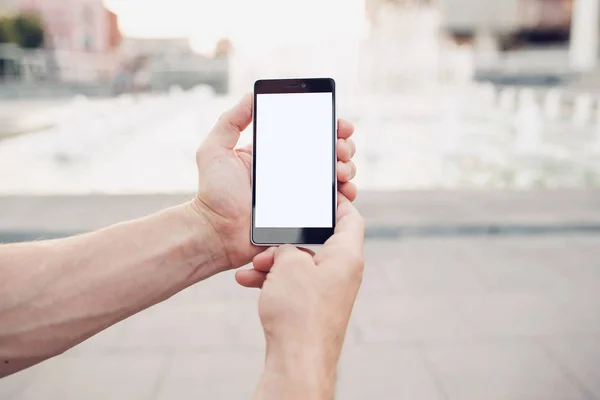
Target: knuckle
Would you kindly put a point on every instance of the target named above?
(224, 122)
(357, 259)
(360, 220)
(359, 274)
(360, 263)
(223, 119)
(358, 269)
(353, 273)
(357, 255)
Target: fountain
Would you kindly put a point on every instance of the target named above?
(508, 99)
(582, 110)
(422, 121)
(449, 130)
(488, 95)
(528, 124)
(552, 104)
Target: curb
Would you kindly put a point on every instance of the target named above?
(383, 233)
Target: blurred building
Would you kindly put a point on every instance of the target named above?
(151, 47)
(406, 35)
(6, 6)
(509, 19)
(81, 41)
(505, 19)
(161, 63)
(76, 25)
(223, 48)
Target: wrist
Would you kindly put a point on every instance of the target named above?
(301, 369)
(205, 240)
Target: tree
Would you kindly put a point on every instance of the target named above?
(7, 34)
(28, 31)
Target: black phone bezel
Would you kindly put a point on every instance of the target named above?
(296, 236)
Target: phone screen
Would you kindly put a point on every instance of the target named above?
(294, 165)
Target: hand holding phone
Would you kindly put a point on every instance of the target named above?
(224, 197)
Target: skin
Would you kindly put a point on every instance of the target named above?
(56, 294)
(304, 307)
(225, 191)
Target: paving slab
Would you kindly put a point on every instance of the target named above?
(379, 371)
(224, 374)
(580, 359)
(499, 370)
(116, 376)
(454, 317)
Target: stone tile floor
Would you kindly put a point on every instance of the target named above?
(511, 317)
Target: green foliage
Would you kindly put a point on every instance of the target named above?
(7, 34)
(24, 30)
(29, 31)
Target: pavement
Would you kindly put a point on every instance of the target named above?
(491, 312)
(387, 214)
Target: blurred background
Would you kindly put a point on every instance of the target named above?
(478, 135)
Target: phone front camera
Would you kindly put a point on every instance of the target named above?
(304, 85)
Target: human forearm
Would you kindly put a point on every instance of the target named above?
(298, 370)
(305, 306)
(56, 294)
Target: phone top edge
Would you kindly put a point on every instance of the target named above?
(297, 85)
(332, 80)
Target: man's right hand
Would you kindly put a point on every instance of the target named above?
(305, 307)
(224, 200)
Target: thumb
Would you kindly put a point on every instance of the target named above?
(226, 132)
(350, 224)
(347, 242)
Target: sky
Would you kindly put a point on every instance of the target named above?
(245, 22)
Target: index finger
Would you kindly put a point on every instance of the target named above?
(288, 252)
(265, 260)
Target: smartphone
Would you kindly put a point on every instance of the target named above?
(294, 185)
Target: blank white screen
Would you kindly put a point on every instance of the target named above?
(294, 165)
